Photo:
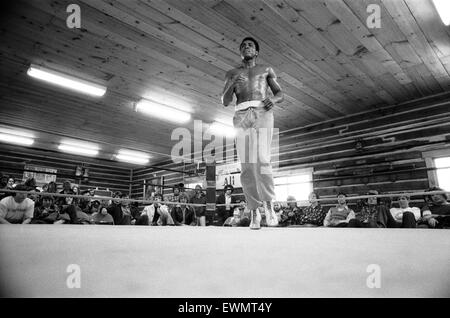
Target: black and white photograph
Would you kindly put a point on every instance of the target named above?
(224, 154)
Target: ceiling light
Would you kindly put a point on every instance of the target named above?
(79, 147)
(443, 8)
(66, 81)
(162, 111)
(14, 139)
(130, 156)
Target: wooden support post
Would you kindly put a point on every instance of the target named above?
(210, 192)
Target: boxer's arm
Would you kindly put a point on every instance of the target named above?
(227, 94)
(275, 88)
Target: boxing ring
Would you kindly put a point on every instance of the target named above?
(200, 262)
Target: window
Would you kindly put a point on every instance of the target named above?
(298, 184)
(443, 172)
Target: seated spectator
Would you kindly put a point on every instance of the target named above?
(241, 216)
(291, 213)
(224, 212)
(33, 195)
(93, 207)
(404, 216)
(115, 209)
(183, 214)
(373, 213)
(52, 187)
(125, 205)
(436, 214)
(85, 202)
(200, 211)
(11, 183)
(175, 197)
(30, 183)
(135, 212)
(67, 211)
(46, 213)
(155, 214)
(314, 214)
(340, 215)
(102, 217)
(76, 190)
(278, 211)
(67, 189)
(16, 208)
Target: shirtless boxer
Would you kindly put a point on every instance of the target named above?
(254, 118)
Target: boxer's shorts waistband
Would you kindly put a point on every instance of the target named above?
(248, 104)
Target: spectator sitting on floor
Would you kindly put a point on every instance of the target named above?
(200, 211)
(46, 213)
(16, 208)
(291, 212)
(102, 217)
(85, 202)
(437, 213)
(404, 216)
(93, 207)
(314, 214)
(125, 205)
(183, 214)
(11, 183)
(175, 197)
(115, 209)
(278, 210)
(67, 189)
(241, 216)
(227, 198)
(373, 213)
(67, 211)
(52, 187)
(340, 215)
(155, 214)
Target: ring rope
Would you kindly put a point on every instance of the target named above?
(386, 195)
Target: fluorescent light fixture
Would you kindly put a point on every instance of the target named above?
(14, 139)
(162, 111)
(130, 156)
(66, 81)
(79, 148)
(222, 129)
(443, 8)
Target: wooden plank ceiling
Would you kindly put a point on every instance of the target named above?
(329, 62)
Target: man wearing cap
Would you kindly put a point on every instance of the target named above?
(224, 212)
(254, 118)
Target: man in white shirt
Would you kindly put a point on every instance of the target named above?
(402, 217)
(17, 208)
(157, 214)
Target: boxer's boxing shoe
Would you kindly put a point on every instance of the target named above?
(255, 219)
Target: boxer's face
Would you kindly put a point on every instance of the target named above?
(248, 49)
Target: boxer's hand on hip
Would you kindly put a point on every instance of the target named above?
(268, 104)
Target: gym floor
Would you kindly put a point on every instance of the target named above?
(194, 262)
